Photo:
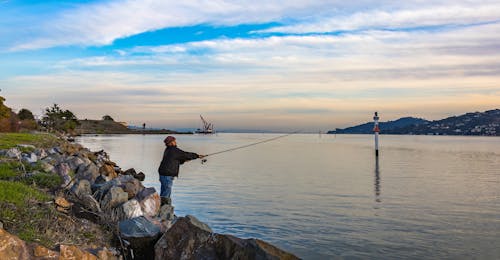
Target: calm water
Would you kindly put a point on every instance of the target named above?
(327, 197)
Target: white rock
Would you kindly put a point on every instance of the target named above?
(13, 153)
(30, 158)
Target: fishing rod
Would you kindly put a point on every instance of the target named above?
(248, 145)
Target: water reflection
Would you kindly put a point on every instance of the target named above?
(377, 181)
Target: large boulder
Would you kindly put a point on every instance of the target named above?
(88, 172)
(113, 198)
(189, 238)
(73, 252)
(150, 201)
(183, 239)
(142, 236)
(230, 247)
(11, 247)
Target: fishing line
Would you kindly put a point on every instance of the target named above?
(248, 145)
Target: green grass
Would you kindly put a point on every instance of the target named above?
(44, 180)
(8, 170)
(9, 140)
(19, 193)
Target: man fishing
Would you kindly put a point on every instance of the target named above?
(169, 167)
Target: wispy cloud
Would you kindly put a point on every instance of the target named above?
(410, 19)
(101, 23)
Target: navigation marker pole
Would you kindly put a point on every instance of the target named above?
(376, 130)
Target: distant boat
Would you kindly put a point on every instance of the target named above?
(208, 128)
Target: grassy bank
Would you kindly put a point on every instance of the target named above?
(9, 140)
(26, 199)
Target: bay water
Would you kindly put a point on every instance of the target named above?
(328, 197)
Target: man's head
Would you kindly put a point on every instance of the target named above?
(170, 141)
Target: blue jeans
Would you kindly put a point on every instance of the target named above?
(166, 186)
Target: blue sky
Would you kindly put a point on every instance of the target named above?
(276, 65)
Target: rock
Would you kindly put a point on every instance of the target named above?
(167, 212)
(54, 150)
(88, 172)
(62, 205)
(140, 176)
(53, 159)
(98, 183)
(113, 198)
(45, 253)
(150, 201)
(74, 162)
(131, 186)
(11, 247)
(183, 239)
(81, 189)
(41, 153)
(142, 236)
(189, 238)
(230, 247)
(62, 170)
(13, 153)
(108, 171)
(29, 158)
(47, 167)
(1, 225)
(90, 203)
(101, 190)
(27, 146)
(130, 171)
(132, 209)
(128, 210)
(106, 254)
(73, 252)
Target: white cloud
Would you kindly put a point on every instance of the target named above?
(102, 23)
(445, 15)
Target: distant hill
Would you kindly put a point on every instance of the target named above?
(367, 128)
(100, 127)
(477, 123)
(112, 127)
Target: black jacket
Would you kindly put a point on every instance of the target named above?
(172, 158)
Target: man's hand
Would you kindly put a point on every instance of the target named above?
(201, 156)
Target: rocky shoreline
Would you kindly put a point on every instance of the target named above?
(98, 190)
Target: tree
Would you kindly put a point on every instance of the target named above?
(107, 118)
(8, 119)
(25, 114)
(58, 119)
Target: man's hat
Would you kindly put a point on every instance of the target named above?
(169, 139)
